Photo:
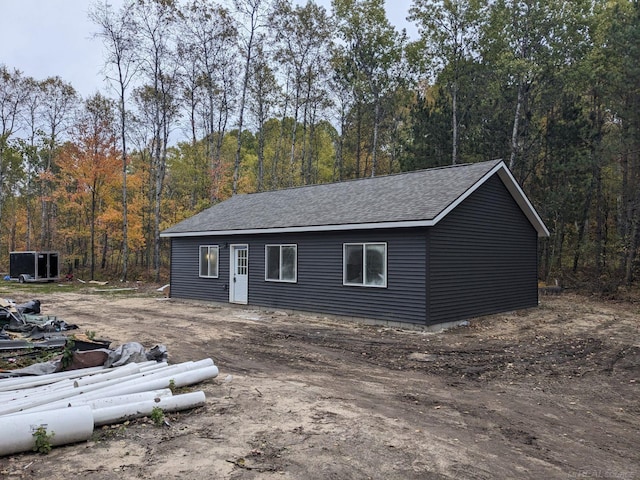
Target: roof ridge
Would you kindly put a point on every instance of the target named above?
(359, 179)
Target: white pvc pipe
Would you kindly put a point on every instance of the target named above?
(67, 425)
(44, 386)
(195, 376)
(118, 372)
(130, 398)
(16, 383)
(148, 368)
(110, 401)
(26, 403)
(104, 374)
(154, 381)
(117, 414)
(179, 380)
(181, 374)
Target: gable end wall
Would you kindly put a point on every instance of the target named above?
(482, 258)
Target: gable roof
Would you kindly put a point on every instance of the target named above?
(411, 199)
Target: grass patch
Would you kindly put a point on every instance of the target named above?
(19, 291)
(14, 289)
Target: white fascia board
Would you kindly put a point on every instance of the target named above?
(515, 191)
(522, 200)
(312, 228)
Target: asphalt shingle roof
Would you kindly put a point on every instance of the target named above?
(412, 196)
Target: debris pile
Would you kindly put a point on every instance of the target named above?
(61, 401)
(26, 321)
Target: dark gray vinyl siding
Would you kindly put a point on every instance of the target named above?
(482, 258)
(319, 285)
(185, 282)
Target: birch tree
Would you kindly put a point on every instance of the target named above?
(208, 46)
(303, 36)
(264, 90)
(450, 32)
(157, 98)
(117, 32)
(370, 50)
(59, 104)
(523, 41)
(12, 97)
(252, 19)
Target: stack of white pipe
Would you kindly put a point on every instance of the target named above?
(70, 404)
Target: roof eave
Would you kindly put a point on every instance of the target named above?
(302, 229)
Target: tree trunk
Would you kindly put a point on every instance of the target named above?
(243, 99)
(358, 138)
(516, 126)
(261, 142)
(160, 174)
(582, 226)
(599, 240)
(305, 170)
(631, 252)
(454, 123)
(376, 122)
(92, 228)
(125, 218)
(103, 260)
(339, 163)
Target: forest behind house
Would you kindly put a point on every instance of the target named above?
(204, 100)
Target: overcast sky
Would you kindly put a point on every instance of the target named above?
(45, 38)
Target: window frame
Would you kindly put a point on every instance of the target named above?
(364, 246)
(266, 262)
(209, 249)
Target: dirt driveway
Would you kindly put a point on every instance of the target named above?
(545, 393)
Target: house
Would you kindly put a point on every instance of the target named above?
(425, 247)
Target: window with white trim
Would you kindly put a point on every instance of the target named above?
(281, 263)
(209, 261)
(365, 264)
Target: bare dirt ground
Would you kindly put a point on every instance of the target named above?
(546, 393)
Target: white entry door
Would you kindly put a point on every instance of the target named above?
(239, 274)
